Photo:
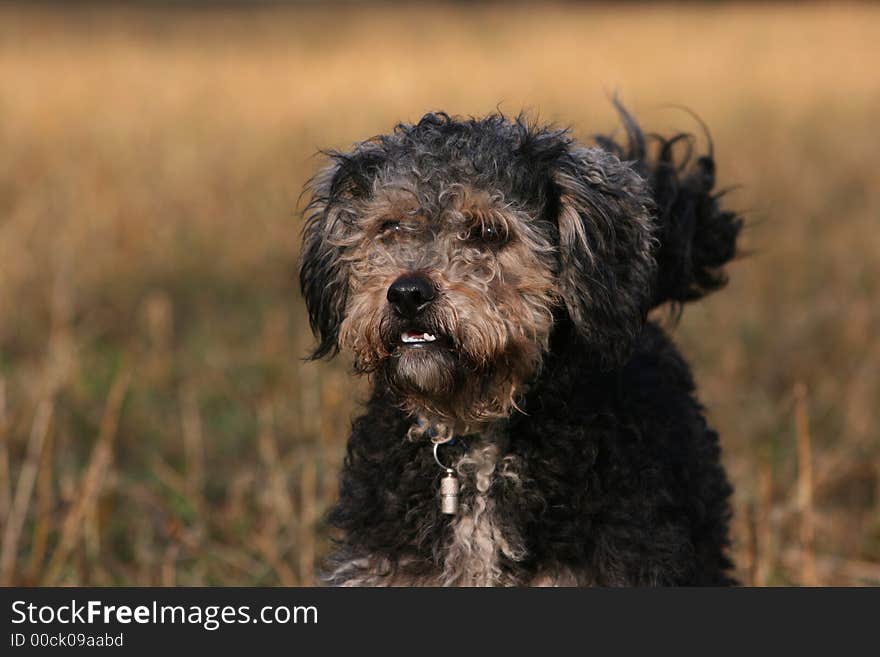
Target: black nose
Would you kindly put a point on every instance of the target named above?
(409, 294)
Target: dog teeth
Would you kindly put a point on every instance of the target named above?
(411, 337)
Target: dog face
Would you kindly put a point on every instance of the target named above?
(443, 255)
(452, 301)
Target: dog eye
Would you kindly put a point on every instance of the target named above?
(389, 228)
(488, 234)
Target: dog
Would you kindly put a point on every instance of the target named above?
(528, 424)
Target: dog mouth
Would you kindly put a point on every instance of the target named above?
(419, 338)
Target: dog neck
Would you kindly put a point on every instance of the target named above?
(477, 542)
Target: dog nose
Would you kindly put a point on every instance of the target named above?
(409, 294)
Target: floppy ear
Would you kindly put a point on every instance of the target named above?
(330, 226)
(606, 245)
(321, 274)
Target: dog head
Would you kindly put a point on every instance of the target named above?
(443, 254)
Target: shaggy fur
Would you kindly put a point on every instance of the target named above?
(530, 262)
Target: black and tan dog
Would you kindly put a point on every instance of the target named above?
(528, 425)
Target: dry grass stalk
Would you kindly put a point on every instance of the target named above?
(194, 448)
(26, 479)
(169, 476)
(307, 518)
(279, 499)
(238, 560)
(328, 491)
(751, 534)
(92, 534)
(765, 549)
(168, 573)
(282, 515)
(310, 406)
(332, 437)
(268, 547)
(90, 487)
(805, 486)
(43, 520)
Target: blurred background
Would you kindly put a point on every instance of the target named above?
(157, 422)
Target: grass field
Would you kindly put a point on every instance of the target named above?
(157, 424)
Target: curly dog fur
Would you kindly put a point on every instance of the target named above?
(494, 277)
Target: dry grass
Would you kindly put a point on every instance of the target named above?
(156, 423)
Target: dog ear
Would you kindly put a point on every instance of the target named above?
(321, 274)
(606, 243)
(330, 220)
